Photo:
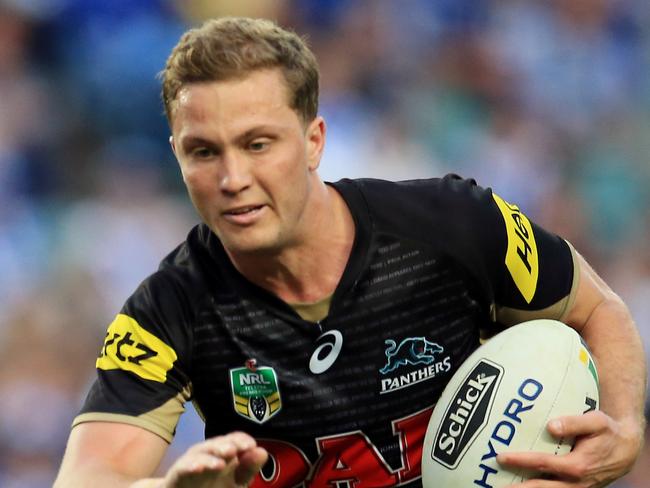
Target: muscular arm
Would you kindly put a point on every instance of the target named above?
(608, 441)
(604, 322)
(103, 454)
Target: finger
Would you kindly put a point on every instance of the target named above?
(228, 446)
(250, 464)
(562, 466)
(200, 463)
(218, 447)
(241, 440)
(579, 425)
(539, 483)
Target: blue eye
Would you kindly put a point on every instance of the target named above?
(202, 152)
(258, 146)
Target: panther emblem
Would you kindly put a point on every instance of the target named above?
(412, 350)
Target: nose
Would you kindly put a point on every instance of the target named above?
(234, 174)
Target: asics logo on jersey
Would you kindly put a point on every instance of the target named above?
(327, 352)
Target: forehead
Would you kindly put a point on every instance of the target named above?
(259, 94)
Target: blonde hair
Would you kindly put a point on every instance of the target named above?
(232, 47)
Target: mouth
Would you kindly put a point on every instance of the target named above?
(243, 215)
(243, 210)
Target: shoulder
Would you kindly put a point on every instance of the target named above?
(173, 293)
(449, 184)
(448, 190)
(452, 203)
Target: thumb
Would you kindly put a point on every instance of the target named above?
(250, 464)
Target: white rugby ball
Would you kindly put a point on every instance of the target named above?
(501, 399)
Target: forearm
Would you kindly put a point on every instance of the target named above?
(614, 341)
(148, 483)
(99, 477)
(108, 454)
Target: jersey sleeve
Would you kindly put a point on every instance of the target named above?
(142, 367)
(538, 276)
(526, 271)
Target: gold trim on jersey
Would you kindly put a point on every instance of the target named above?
(574, 283)
(521, 255)
(558, 311)
(130, 347)
(161, 421)
(313, 312)
(512, 316)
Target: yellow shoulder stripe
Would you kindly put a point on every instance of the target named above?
(130, 347)
(521, 255)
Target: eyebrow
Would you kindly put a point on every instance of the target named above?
(193, 141)
(256, 131)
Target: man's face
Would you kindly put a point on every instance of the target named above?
(247, 159)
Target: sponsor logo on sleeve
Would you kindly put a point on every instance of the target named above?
(130, 347)
(255, 392)
(521, 255)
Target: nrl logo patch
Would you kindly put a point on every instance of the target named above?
(255, 392)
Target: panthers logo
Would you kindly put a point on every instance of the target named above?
(412, 350)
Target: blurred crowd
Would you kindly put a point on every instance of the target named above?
(547, 101)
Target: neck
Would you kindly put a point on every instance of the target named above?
(311, 269)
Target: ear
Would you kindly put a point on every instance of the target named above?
(315, 136)
(172, 143)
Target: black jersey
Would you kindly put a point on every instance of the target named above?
(345, 400)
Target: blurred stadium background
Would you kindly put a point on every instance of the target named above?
(546, 101)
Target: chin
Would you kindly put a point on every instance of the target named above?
(248, 249)
(252, 241)
(251, 246)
